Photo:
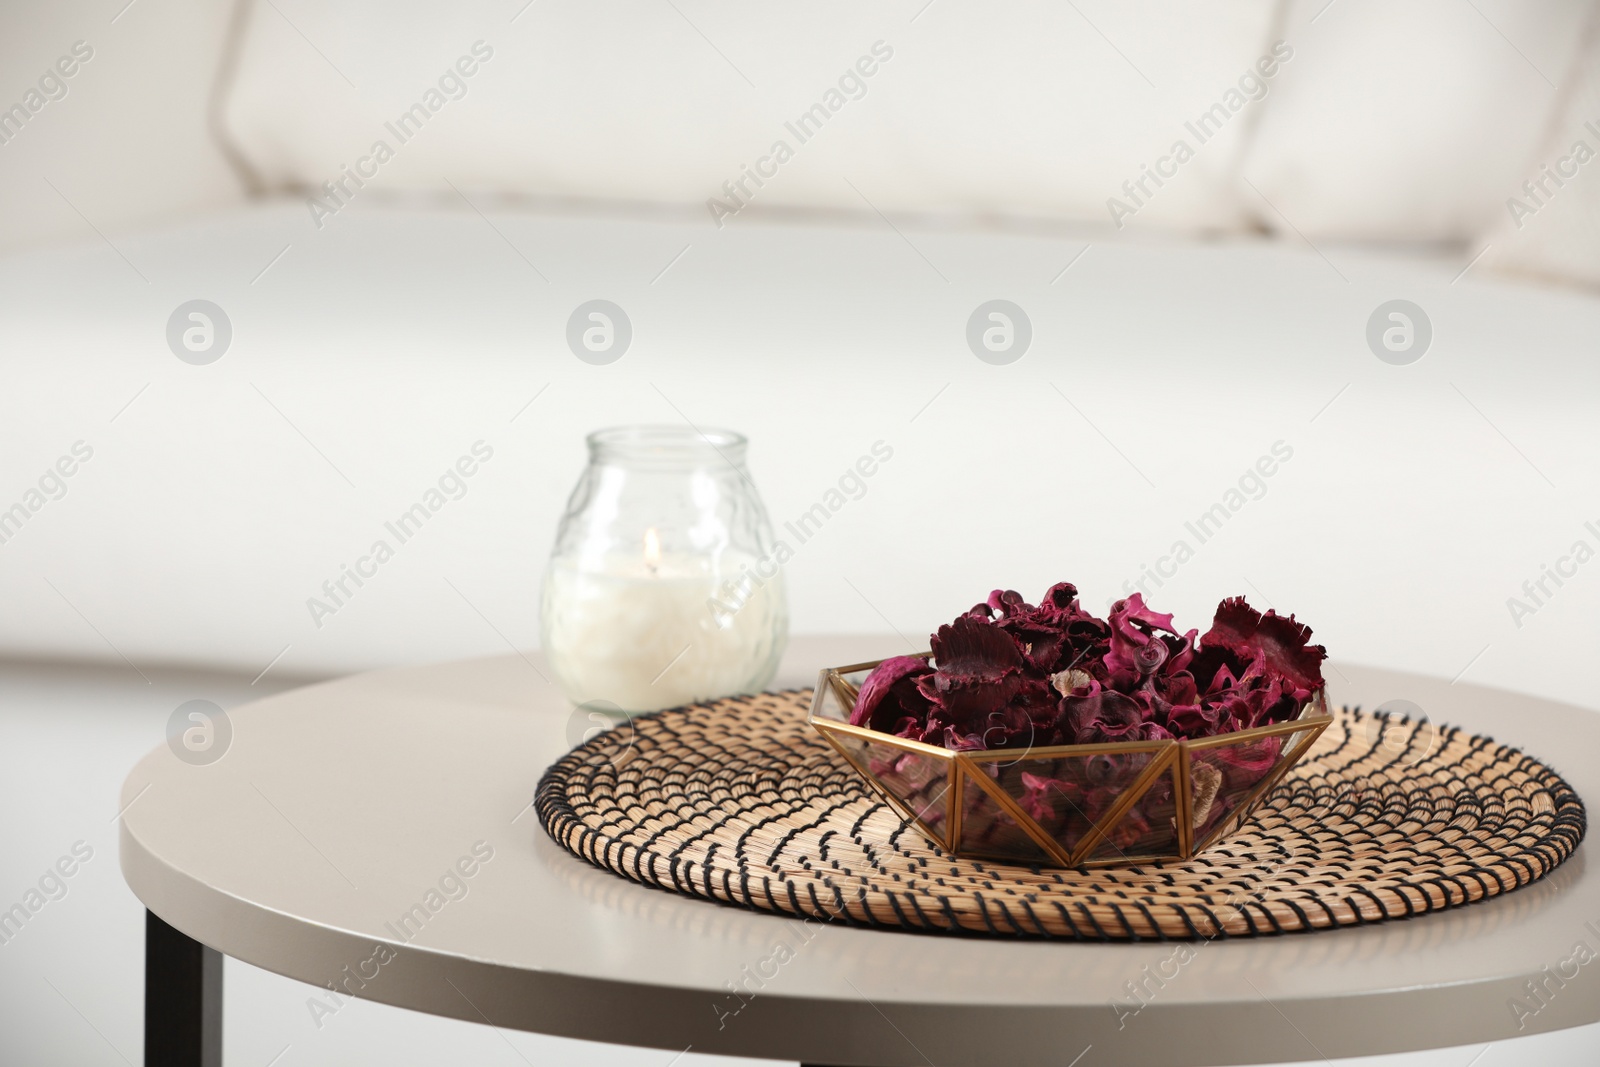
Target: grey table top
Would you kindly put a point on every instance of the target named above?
(342, 808)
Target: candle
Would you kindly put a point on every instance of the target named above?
(653, 630)
(663, 587)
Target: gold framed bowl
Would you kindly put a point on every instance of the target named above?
(1068, 805)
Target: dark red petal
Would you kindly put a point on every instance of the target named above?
(1105, 716)
(1245, 631)
(1133, 610)
(1041, 644)
(1245, 765)
(965, 698)
(1136, 645)
(1061, 597)
(1134, 677)
(878, 686)
(969, 649)
(1008, 603)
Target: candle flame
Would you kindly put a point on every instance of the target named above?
(652, 548)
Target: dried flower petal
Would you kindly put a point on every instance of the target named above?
(1283, 641)
(1008, 674)
(883, 700)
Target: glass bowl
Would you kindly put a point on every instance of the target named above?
(1068, 805)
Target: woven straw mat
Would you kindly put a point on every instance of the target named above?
(741, 801)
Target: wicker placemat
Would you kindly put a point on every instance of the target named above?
(740, 801)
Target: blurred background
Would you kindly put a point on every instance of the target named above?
(1208, 217)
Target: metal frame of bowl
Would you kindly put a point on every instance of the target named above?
(1172, 757)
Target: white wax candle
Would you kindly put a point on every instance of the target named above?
(638, 631)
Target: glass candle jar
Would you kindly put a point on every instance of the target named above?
(663, 587)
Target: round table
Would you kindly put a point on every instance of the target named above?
(373, 834)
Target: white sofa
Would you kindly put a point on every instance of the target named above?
(374, 352)
(382, 326)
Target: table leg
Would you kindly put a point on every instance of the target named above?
(182, 999)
